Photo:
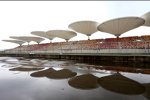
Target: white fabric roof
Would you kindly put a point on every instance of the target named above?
(43, 34)
(15, 41)
(28, 38)
(119, 26)
(147, 19)
(65, 34)
(84, 27)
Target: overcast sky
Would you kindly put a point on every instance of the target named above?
(21, 18)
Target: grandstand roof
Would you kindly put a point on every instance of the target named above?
(84, 27)
(119, 26)
(43, 34)
(147, 19)
(65, 34)
(28, 38)
(15, 41)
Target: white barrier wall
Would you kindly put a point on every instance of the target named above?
(102, 51)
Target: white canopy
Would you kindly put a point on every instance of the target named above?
(65, 34)
(43, 34)
(147, 19)
(28, 38)
(15, 41)
(119, 26)
(84, 27)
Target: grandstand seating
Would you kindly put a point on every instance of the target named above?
(97, 44)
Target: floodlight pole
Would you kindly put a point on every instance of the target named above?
(67, 40)
(50, 40)
(38, 43)
(118, 41)
(88, 37)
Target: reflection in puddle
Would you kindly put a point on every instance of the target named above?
(7, 66)
(42, 73)
(38, 62)
(24, 69)
(57, 68)
(120, 84)
(147, 92)
(54, 74)
(86, 81)
(94, 82)
(9, 60)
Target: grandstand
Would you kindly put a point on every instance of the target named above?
(110, 45)
(118, 26)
